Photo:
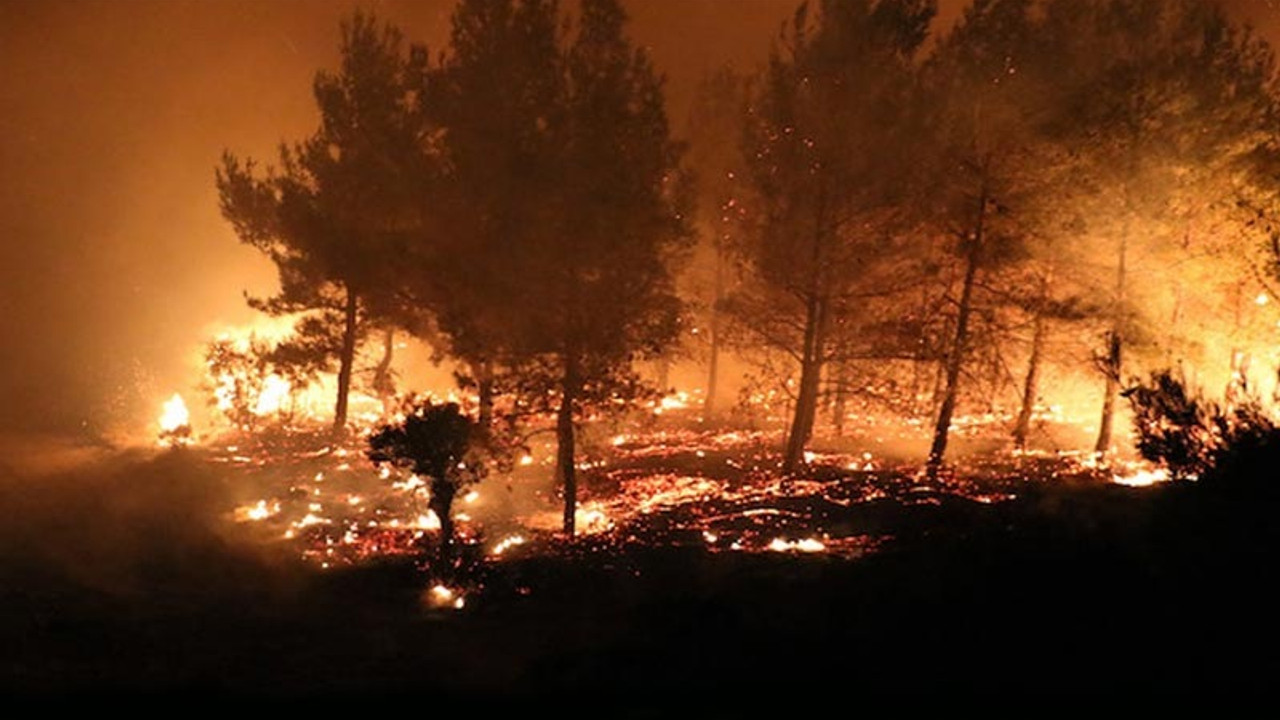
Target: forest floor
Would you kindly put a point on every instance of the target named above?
(700, 577)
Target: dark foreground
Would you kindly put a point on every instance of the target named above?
(123, 584)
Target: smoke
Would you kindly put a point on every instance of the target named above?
(113, 257)
(136, 525)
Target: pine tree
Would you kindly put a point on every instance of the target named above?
(825, 131)
(566, 210)
(340, 202)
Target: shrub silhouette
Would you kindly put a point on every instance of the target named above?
(1221, 445)
(441, 444)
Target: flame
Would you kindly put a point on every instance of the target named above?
(1142, 477)
(175, 414)
(428, 521)
(274, 396)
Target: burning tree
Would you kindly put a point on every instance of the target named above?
(1234, 445)
(1169, 103)
(825, 136)
(566, 209)
(715, 156)
(992, 172)
(340, 202)
(441, 443)
(493, 96)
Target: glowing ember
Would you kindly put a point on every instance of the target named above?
(674, 402)
(260, 510)
(592, 520)
(808, 545)
(413, 483)
(506, 543)
(1142, 478)
(443, 597)
(311, 519)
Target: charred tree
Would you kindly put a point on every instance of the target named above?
(346, 360)
(713, 349)
(714, 130)
(825, 137)
(566, 456)
(960, 341)
(383, 379)
(1031, 384)
(1112, 362)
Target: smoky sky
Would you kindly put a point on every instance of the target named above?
(114, 261)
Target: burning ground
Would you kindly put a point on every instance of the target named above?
(288, 567)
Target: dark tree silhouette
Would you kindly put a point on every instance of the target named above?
(567, 201)
(441, 443)
(340, 202)
(714, 133)
(823, 139)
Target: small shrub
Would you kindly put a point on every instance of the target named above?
(1233, 445)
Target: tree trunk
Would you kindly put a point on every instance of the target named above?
(807, 400)
(713, 363)
(1111, 367)
(441, 504)
(382, 374)
(940, 373)
(346, 360)
(664, 374)
(955, 361)
(484, 386)
(1113, 363)
(813, 354)
(841, 399)
(1031, 388)
(713, 369)
(565, 440)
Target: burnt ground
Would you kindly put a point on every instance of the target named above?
(120, 580)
